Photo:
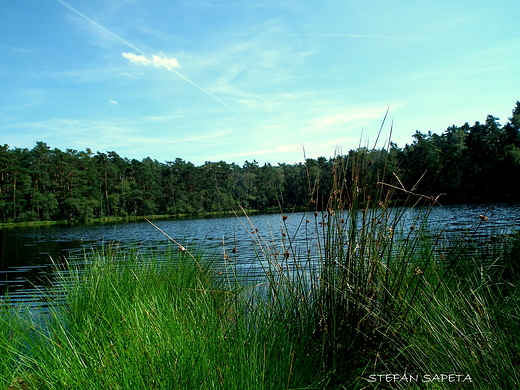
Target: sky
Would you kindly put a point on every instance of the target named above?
(275, 81)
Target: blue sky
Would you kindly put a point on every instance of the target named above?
(242, 80)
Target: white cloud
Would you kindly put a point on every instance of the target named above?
(161, 61)
(157, 61)
(113, 102)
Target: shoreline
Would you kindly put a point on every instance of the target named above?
(92, 221)
(130, 218)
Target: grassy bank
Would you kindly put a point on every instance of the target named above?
(176, 322)
(368, 301)
(128, 218)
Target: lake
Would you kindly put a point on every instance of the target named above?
(27, 254)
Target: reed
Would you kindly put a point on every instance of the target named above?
(347, 310)
(388, 297)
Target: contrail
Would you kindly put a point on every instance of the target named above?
(100, 26)
(124, 41)
(203, 90)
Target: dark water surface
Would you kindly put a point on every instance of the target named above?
(27, 254)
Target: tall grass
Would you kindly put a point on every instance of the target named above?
(139, 322)
(368, 299)
(466, 322)
(391, 299)
(388, 295)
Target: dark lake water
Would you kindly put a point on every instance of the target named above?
(27, 254)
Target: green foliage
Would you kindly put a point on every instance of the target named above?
(476, 162)
(479, 162)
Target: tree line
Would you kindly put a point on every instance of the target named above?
(468, 163)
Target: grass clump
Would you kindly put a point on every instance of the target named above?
(465, 322)
(133, 322)
(391, 305)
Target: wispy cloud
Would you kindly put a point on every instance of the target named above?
(157, 61)
(25, 99)
(17, 49)
(106, 135)
(350, 118)
(163, 118)
(198, 138)
(347, 35)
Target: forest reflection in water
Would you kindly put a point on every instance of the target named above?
(28, 255)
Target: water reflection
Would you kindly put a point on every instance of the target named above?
(27, 254)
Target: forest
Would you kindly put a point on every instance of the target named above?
(470, 163)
